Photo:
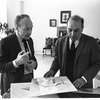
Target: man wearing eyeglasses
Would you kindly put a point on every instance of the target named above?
(77, 55)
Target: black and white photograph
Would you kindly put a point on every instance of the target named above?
(65, 15)
(49, 49)
(53, 22)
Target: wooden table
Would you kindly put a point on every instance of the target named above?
(42, 88)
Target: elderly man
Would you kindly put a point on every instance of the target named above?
(76, 55)
(17, 59)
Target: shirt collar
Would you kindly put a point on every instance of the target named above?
(76, 42)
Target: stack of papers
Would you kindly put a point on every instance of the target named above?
(49, 82)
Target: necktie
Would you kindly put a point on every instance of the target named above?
(26, 46)
(73, 46)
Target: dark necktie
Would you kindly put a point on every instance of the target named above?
(73, 46)
(26, 46)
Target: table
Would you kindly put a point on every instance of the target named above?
(21, 90)
(89, 93)
(42, 88)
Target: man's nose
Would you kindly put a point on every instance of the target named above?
(72, 33)
(29, 31)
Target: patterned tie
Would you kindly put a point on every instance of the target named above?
(73, 46)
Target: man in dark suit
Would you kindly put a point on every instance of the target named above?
(80, 62)
(17, 64)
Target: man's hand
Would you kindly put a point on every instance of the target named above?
(22, 58)
(31, 64)
(79, 82)
(49, 74)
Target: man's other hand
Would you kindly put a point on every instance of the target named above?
(49, 74)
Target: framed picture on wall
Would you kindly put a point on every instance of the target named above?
(64, 16)
(53, 22)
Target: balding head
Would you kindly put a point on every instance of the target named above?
(77, 18)
(75, 27)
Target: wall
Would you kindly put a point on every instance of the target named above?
(13, 9)
(41, 11)
(3, 11)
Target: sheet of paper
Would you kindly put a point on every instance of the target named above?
(52, 85)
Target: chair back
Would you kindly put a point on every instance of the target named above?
(48, 42)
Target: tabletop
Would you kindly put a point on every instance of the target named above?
(42, 87)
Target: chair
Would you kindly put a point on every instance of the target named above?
(48, 46)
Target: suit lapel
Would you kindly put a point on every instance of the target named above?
(80, 47)
(15, 41)
(64, 59)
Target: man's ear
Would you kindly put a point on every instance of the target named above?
(82, 28)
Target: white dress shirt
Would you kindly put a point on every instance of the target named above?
(76, 43)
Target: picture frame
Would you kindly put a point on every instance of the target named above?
(53, 22)
(64, 16)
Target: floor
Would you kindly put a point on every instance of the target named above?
(44, 64)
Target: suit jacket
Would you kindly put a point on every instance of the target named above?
(9, 49)
(87, 59)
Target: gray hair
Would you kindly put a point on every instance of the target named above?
(18, 19)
